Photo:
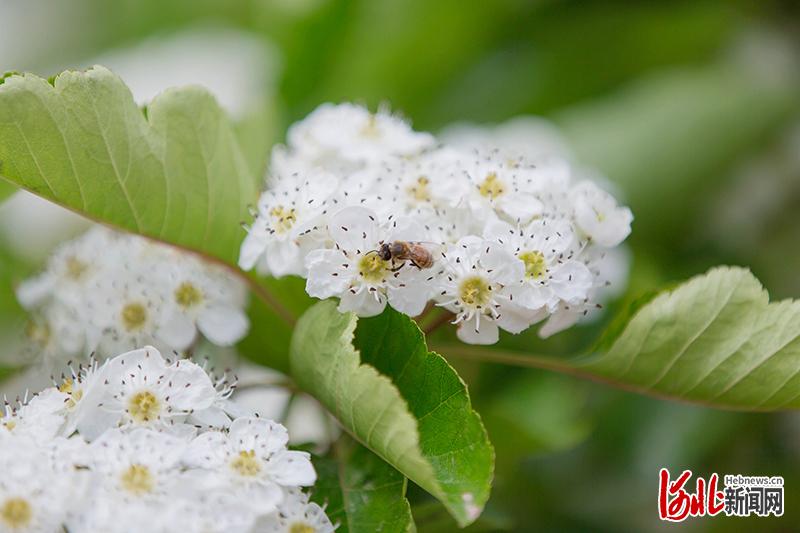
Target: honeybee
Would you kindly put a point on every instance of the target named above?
(415, 253)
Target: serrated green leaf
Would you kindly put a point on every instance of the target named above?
(401, 401)
(175, 173)
(715, 339)
(362, 492)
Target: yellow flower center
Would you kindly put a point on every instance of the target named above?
(38, 333)
(134, 316)
(535, 265)
(246, 464)
(75, 268)
(419, 190)
(474, 291)
(144, 407)
(66, 386)
(187, 295)
(372, 268)
(283, 219)
(16, 513)
(137, 479)
(75, 395)
(301, 527)
(492, 187)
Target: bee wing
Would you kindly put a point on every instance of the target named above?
(433, 247)
(426, 243)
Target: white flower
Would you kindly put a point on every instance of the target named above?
(479, 285)
(52, 332)
(407, 185)
(562, 318)
(351, 133)
(69, 271)
(222, 409)
(141, 463)
(289, 217)
(252, 459)
(38, 418)
(205, 298)
(355, 272)
(516, 190)
(34, 495)
(599, 216)
(296, 514)
(548, 251)
(127, 310)
(108, 292)
(144, 468)
(197, 509)
(513, 186)
(140, 388)
(71, 390)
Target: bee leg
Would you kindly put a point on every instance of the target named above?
(415, 264)
(398, 268)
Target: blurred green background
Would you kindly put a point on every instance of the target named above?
(692, 108)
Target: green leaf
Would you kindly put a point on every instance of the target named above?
(401, 401)
(715, 339)
(6, 188)
(174, 172)
(361, 491)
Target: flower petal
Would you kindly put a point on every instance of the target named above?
(326, 274)
(487, 334)
(223, 325)
(177, 330)
(292, 468)
(354, 229)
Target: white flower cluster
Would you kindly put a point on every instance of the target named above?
(108, 292)
(370, 211)
(141, 443)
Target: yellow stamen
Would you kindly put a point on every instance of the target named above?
(38, 333)
(246, 464)
(16, 513)
(137, 479)
(75, 395)
(283, 219)
(474, 291)
(75, 268)
(144, 407)
(372, 268)
(535, 265)
(492, 187)
(301, 527)
(134, 316)
(419, 190)
(188, 295)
